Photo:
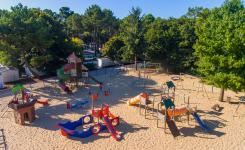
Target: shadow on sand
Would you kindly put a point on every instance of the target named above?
(213, 124)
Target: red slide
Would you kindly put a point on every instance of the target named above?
(64, 87)
(68, 67)
(111, 129)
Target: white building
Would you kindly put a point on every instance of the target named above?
(1, 81)
(8, 74)
(104, 62)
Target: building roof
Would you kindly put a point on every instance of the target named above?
(73, 58)
(5, 68)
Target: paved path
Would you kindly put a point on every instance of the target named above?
(5, 93)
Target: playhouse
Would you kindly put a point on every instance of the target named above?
(71, 72)
(23, 105)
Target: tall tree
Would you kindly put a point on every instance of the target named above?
(194, 12)
(99, 24)
(74, 25)
(220, 46)
(35, 37)
(65, 12)
(147, 20)
(25, 29)
(113, 48)
(132, 33)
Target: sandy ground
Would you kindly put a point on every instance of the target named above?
(137, 131)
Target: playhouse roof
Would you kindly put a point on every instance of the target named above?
(73, 58)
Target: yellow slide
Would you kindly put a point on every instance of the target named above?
(137, 99)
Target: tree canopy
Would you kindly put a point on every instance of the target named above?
(220, 46)
(205, 41)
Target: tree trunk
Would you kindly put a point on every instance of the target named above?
(222, 92)
(135, 62)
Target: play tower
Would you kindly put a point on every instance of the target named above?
(70, 72)
(23, 105)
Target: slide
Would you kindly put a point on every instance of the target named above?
(64, 87)
(202, 124)
(32, 72)
(62, 78)
(137, 99)
(111, 129)
(28, 71)
(172, 127)
(134, 101)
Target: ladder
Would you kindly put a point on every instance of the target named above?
(3, 144)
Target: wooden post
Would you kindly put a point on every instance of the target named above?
(205, 91)
(188, 113)
(228, 99)
(222, 94)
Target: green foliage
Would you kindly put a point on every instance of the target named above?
(65, 12)
(26, 29)
(74, 25)
(34, 35)
(43, 38)
(220, 46)
(194, 12)
(132, 35)
(169, 40)
(113, 48)
(147, 20)
(77, 46)
(40, 61)
(8, 55)
(101, 24)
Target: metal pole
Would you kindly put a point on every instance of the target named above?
(140, 107)
(165, 120)
(144, 75)
(157, 113)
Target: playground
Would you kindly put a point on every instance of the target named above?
(190, 123)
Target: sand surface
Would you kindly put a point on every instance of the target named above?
(137, 131)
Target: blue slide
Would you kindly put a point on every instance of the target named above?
(70, 127)
(202, 124)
